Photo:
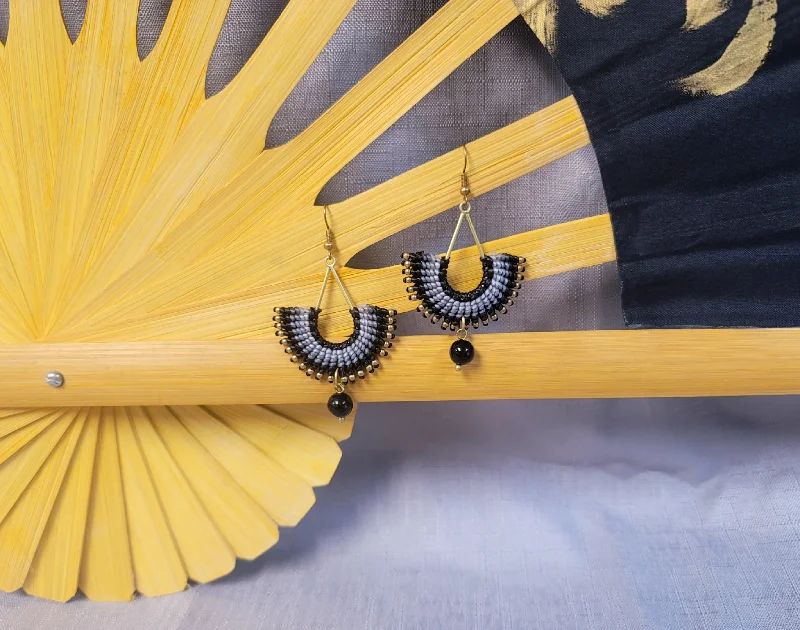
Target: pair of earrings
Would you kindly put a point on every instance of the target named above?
(374, 327)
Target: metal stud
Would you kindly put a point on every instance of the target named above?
(54, 379)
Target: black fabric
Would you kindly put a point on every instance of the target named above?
(703, 191)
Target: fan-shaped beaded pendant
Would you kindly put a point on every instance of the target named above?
(457, 310)
(342, 362)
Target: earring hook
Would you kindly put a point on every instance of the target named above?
(464, 212)
(328, 233)
(330, 264)
(464, 181)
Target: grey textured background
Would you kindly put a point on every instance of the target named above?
(544, 514)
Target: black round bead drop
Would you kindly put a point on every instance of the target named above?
(462, 352)
(340, 405)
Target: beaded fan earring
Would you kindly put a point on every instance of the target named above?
(427, 275)
(343, 362)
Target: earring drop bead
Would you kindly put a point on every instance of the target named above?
(340, 405)
(462, 352)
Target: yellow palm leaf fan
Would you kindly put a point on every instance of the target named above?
(145, 237)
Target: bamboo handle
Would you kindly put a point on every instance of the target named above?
(607, 364)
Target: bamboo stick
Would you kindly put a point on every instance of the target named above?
(602, 364)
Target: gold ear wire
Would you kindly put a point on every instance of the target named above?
(464, 210)
(328, 234)
(464, 181)
(330, 264)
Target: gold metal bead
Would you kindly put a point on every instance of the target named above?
(458, 368)
(294, 358)
(309, 372)
(384, 353)
(370, 369)
(361, 374)
(303, 367)
(376, 364)
(352, 378)
(319, 376)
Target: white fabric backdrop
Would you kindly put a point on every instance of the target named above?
(546, 514)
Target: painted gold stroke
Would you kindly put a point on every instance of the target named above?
(743, 56)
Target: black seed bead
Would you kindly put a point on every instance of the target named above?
(340, 405)
(462, 352)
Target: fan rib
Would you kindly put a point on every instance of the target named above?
(101, 67)
(56, 565)
(157, 565)
(205, 553)
(106, 571)
(22, 527)
(283, 495)
(226, 134)
(20, 465)
(246, 314)
(500, 156)
(314, 417)
(36, 55)
(309, 454)
(247, 527)
(15, 273)
(494, 160)
(287, 179)
(155, 108)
